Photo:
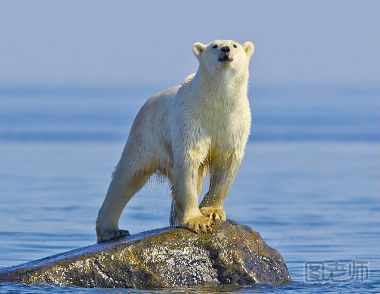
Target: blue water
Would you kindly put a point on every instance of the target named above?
(309, 182)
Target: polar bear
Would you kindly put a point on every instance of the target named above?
(184, 132)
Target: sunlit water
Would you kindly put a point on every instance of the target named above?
(309, 182)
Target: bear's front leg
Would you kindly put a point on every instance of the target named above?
(186, 199)
(222, 173)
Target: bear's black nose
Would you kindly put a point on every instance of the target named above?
(225, 49)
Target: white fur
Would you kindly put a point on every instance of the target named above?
(183, 132)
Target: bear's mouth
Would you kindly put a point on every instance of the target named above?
(225, 58)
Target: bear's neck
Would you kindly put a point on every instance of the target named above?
(224, 86)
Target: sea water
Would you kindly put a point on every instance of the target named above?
(309, 181)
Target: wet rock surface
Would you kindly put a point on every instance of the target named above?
(171, 257)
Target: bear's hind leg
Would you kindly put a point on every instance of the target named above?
(123, 186)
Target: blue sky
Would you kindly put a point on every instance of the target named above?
(149, 42)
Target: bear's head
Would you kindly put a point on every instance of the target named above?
(224, 56)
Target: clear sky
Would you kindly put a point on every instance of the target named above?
(128, 42)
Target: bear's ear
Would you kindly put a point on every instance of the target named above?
(198, 48)
(248, 48)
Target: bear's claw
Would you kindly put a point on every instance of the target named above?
(213, 213)
(198, 224)
(112, 234)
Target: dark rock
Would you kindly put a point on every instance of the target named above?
(232, 254)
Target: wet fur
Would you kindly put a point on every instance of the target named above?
(182, 133)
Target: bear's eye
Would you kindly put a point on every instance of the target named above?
(234, 45)
(215, 46)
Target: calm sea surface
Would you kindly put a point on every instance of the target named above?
(309, 182)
